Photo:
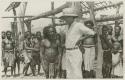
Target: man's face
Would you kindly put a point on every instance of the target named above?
(3, 35)
(110, 29)
(51, 31)
(9, 35)
(104, 31)
(68, 19)
(28, 35)
(117, 30)
(38, 35)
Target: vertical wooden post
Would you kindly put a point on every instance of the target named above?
(52, 8)
(98, 44)
(15, 28)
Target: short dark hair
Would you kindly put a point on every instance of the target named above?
(8, 32)
(46, 30)
(89, 22)
(104, 27)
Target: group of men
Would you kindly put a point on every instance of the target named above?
(71, 56)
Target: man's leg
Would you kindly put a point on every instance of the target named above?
(18, 65)
(5, 70)
(39, 67)
(25, 69)
(12, 70)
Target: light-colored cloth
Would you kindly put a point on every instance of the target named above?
(88, 58)
(73, 64)
(74, 57)
(27, 56)
(118, 69)
(9, 58)
(74, 33)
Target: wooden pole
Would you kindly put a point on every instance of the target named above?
(92, 17)
(15, 28)
(59, 9)
(52, 8)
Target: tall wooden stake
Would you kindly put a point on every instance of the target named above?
(98, 44)
(52, 8)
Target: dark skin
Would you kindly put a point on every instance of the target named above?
(3, 35)
(117, 34)
(37, 47)
(28, 46)
(106, 45)
(8, 44)
(51, 47)
(105, 42)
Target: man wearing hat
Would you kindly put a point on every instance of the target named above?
(73, 36)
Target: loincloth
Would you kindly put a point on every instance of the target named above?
(9, 58)
(27, 56)
(36, 57)
(107, 57)
(89, 57)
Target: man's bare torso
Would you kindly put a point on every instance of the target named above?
(8, 44)
(50, 48)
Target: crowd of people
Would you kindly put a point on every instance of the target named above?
(72, 56)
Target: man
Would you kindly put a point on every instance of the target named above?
(106, 46)
(36, 53)
(89, 54)
(9, 55)
(117, 37)
(28, 59)
(51, 52)
(3, 37)
(73, 54)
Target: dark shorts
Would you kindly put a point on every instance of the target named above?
(36, 58)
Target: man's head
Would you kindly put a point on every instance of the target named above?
(89, 24)
(104, 30)
(110, 29)
(8, 34)
(69, 14)
(117, 30)
(49, 32)
(38, 34)
(28, 35)
(3, 35)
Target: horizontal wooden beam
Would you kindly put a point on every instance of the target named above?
(49, 13)
(59, 9)
(103, 7)
(27, 17)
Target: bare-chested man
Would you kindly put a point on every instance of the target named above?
(36, 53)
(51, 52)
(28, 50)
(8, 50)
(89, 54)
(3, 37)
(107, 56)
(117, 37)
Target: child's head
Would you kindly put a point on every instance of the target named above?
(116, 45)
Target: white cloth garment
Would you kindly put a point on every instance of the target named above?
(74, 57)
(118, 69)
(73, 64)
(88, 58)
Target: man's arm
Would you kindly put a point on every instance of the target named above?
(42, 49)
(26, 47)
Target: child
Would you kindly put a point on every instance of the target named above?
(117, 67)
